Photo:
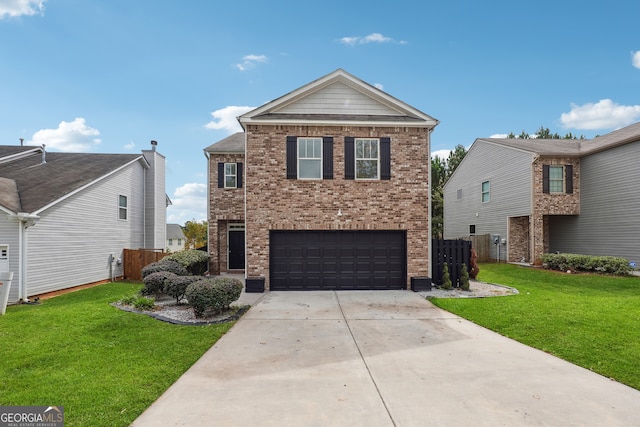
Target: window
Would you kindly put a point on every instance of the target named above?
(556, 179)
(309, 158)
(122, 207)
(179, 242)
(367, 158)
(459, 194)
(170, 242)
(472, 229)
(486, 192)
(230, 175)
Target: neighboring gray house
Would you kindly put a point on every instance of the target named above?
(175, 238)
(66, 217)
(540, 196)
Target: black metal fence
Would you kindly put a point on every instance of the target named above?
(452, 252)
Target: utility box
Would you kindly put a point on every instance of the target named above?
(419, 284)
(5, 286)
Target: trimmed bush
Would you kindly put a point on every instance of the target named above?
(215, 294)
(196, 262)
(177, 286)
(588, 263)
(165, 265)
(154, 282)
(464, 278)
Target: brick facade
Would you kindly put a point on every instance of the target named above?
(274, 202)
(226, 206)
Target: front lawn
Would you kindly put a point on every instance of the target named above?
(104, 365)
(590, 320)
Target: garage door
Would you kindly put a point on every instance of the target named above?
(337, 260)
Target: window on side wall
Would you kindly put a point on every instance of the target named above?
(486, 192)
(230, 175)
(122, 207)
(309, 158)
(557, 179)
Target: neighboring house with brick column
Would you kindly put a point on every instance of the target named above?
(328, 185)
(544, 195)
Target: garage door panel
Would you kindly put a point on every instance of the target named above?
(337, 260)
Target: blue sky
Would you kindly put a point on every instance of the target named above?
(111, 75)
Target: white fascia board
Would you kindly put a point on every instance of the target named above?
(368, 123)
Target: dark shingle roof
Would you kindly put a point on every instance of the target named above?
(174, 231)
(231, 144)
(40, 184)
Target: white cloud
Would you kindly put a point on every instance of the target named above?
(250, 61)
(73, 136)
(499, 135)
(226, 118)
(188, 202)
(379, 86)
(14, 8)
(130, 146)
(604, 114)
(371, 38)
(443, 154)
(635, 59)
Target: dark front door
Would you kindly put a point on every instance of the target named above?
(337, 260)
(236, 249)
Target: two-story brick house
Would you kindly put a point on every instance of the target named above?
(540, 196)
(330, 184)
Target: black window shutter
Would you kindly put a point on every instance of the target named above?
(545, 178)
(385, 158)
(292, 157)
(327, 157)
(568, 170)
(220, 175)
(349, 158)
(239, 175)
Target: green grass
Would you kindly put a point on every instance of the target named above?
(589, 320)
(104, 365)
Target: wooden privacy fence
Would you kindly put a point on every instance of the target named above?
(482, 245)
(135, 259)
(454, 253)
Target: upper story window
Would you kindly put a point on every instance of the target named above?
(367, 158)
(122, 207)
(486, 192)
(557, 179)
(309, 158)
(230, 175)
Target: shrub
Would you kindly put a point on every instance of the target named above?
(475, 269)
(446, 278)
(196, 262)
(165, 265)
(595, 264)
(177, 286)
(464, 278)
(144, 303)
(154, 282)
(214, 294)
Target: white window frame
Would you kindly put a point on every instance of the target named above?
(123, 208)
(556, 182)
(304, 157)
(364, 157)
(229, 174)
(486, 192)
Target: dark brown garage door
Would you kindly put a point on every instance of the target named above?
(337, 260)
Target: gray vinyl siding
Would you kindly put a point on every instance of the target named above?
(508, 171)
(609, 204)
(9, 235)
(71, 244)
(155, 200)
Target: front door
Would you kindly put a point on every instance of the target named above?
(236, 249)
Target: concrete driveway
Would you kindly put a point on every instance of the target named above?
(381, 358)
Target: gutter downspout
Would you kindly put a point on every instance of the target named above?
(25, 221)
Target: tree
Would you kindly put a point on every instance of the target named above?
(195, 233)
(441, 170)
(544, 133)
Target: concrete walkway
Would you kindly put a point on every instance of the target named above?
(381, 358)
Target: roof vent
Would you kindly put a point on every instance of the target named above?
(153, 144)
(21, 141)
(44, 154)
